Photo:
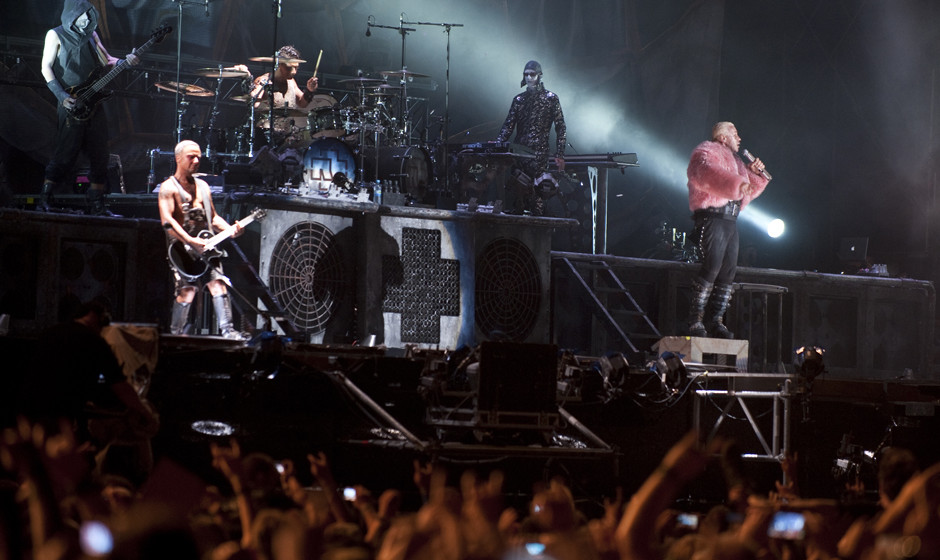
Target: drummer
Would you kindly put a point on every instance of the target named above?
(287, 93)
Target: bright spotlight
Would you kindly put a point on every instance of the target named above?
(775, 228)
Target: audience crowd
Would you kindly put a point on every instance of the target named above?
(85, 485)
(61, 500)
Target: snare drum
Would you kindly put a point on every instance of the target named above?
(323, 160)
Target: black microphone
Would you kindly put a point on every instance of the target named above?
(369, 26)
(368, 31)
(750, 159)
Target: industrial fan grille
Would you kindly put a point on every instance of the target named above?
(508, 289)
(306, 275)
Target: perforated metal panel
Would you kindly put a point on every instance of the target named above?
(306, 275)
(508, 289)
(420, 285)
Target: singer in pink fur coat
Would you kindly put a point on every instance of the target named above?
(720, 186)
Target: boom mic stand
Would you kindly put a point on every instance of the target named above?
(403, 31)
(276, 8)
(179, 57)
(447, 28)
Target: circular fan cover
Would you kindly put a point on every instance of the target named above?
(306, 275)
(508, 289)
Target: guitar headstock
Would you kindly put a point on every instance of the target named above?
(161, 32)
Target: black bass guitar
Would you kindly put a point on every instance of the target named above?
(192, 263)
(89, 93)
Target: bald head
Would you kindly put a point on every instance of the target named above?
(726, 133)
(182, 146)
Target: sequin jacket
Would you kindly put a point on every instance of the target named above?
(532, 114)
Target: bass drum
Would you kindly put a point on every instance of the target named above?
(409, 167)
(324, 159)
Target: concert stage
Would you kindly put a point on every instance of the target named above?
(443, 290)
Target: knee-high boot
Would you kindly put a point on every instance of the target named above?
(45, 197)
(700, 292)
(223, 314)
(717, 306)
(180, 318)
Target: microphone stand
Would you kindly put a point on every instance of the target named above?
(447, 28)
(179, 56)
(403, 104)
(276, 8)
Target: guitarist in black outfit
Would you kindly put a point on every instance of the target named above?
(186, 210)
(72, 52)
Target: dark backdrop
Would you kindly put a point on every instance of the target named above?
(837, 97)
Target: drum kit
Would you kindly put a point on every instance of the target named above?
(340, 145)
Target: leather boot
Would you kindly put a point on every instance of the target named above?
(717, 306)
(45, 197)
(700, 292)
(223, 314)
(96, 205)
(180, 318)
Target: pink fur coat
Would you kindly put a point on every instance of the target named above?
(716, 175)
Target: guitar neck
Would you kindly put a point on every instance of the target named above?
(117, 69)
(227, 232)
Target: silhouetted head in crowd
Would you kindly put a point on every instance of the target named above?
(895, 467)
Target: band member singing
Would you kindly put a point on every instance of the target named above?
(72, 52)
(186, 210)
(720, 186)
(531, 116)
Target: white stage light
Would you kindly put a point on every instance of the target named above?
(776, 228)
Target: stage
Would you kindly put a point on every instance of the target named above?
(383, 310)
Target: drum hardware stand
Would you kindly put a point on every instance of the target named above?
(447, 28)
(213, 114)
(179, 54)
(403, 31)
(181, 107)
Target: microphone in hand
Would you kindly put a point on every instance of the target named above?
(750, 159)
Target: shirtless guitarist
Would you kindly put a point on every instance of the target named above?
(186, 209)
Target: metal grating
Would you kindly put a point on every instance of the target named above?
(508, 289)
(306, 275)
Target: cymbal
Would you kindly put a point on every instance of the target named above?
(244, 98)
(220, 73)
(403, 74)
(280, 59)
(361, 81)
(184, 89)
(287, 112)
(385, 87)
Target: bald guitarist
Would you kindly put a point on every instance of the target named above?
(186, 209)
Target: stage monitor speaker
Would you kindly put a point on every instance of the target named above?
(51, 263)
(518, 377)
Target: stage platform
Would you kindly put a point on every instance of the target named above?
(427, 280)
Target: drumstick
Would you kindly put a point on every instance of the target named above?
(317, 67)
